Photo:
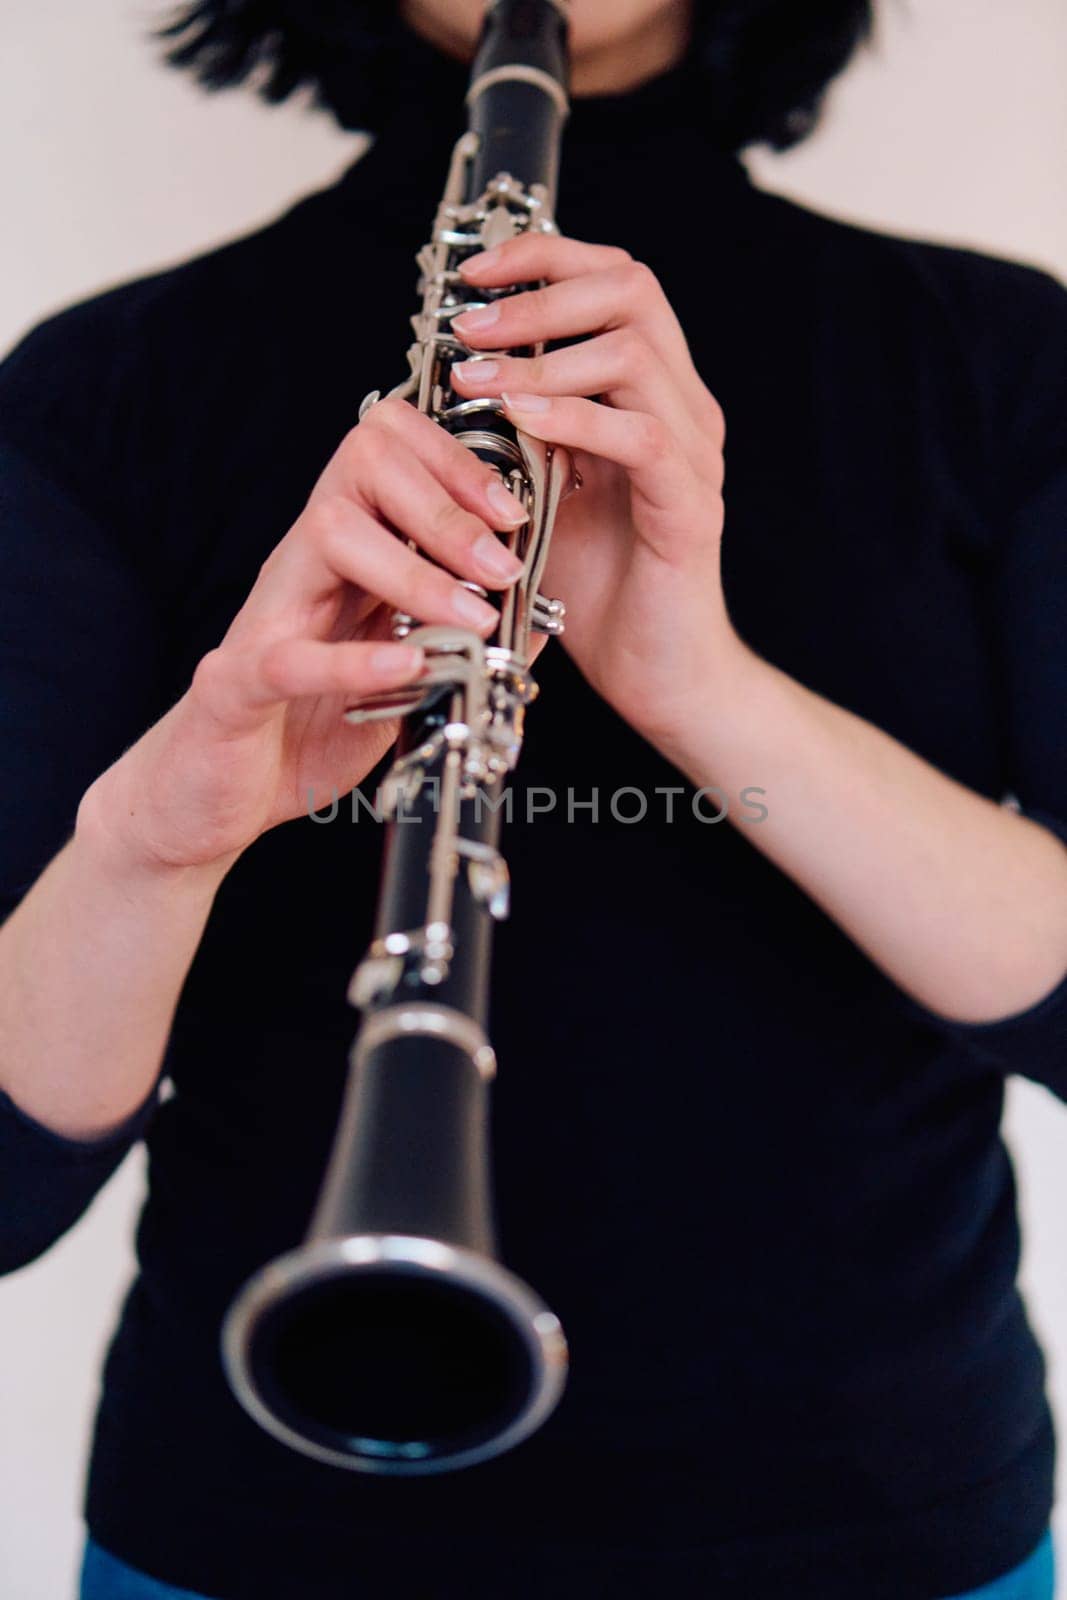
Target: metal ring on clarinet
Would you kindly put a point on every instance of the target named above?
(355, 1298)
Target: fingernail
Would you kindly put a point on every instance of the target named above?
(475, 371)
(475, 321)
(506, 504)
(484, 258)
(526, 402)
(494, 558)
(401, 660)
(469, 609)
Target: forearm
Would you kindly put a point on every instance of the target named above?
(91, 965)
(960, 901)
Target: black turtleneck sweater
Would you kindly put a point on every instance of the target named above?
(766, 1193)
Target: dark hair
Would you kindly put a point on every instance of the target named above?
(766, 63)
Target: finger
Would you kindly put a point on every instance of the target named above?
(621, 366)
(238, 687)
(338, 540)
(335, 543)
(395, 484)
(472, 483)
(554, 258)
(640, 443)
(536, 645)
(539, 255)
(592, 302)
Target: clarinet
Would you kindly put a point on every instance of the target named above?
(393, 1340)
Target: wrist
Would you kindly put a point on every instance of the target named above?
(713, 708)
(103, 839)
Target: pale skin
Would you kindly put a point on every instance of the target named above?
(960, 902)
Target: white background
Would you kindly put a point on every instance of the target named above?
(954, 126)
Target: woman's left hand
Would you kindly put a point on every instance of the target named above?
(961, 903)
(635, 554)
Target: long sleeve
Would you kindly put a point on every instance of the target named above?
(78, 668)
(1027, 609)
(47, 1181)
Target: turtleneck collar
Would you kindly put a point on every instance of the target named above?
(654, 141)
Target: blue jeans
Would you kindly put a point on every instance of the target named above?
(104, 1577)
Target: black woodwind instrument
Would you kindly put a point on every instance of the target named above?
(393, 1340)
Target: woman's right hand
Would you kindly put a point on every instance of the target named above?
(260, 729)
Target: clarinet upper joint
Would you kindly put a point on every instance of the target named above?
(540, 475)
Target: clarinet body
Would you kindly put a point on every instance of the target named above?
(393, 1340)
